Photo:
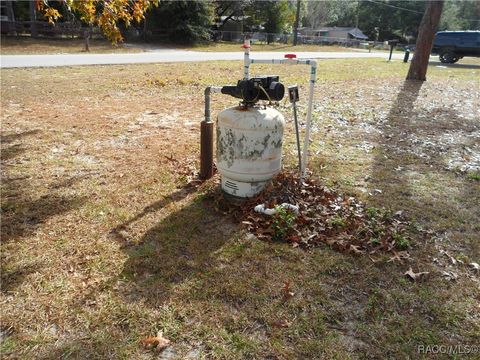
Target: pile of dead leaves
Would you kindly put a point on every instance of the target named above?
(324, 217)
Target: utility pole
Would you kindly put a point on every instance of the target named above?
(295, 27)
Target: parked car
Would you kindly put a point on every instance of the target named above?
(451, 46)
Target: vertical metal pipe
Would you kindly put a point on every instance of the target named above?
(294, 104)
(206, 141)
(246, 59)
(206, 137)
(308, 125)
(208, 91)
(206, 149)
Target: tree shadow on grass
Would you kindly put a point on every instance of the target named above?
(174, 252)
(5, 139)
(409, 168)
(22, 215)
(411, 165)
(178, 249)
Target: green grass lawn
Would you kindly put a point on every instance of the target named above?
(106, 241)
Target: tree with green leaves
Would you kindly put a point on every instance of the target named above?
(275, 16)
(108, 15)
(183, 21)
(225, 10)
(393, 19)
(460, 15)
(186, 21)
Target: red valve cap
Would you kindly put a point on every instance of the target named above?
(290, 56)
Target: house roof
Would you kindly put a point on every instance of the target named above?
(336, 28)
(234, 18)
(354, 31)
(358, 34)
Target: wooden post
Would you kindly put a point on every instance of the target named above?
(423, 46)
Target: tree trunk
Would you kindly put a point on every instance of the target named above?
(86, 35)
(11, 19)
(270, 38)
(33, 19)
(295, 27)
(423, 46)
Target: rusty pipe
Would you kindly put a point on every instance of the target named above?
(206, 137)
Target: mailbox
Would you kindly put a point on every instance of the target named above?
(392, 44)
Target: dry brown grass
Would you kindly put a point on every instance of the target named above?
(103, 242)
(228, 46)
(26, 45)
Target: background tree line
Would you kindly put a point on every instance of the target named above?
(191, 21)
(385, 19)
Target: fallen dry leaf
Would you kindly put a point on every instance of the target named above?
(415, 276)
(399, 256)
(281, 324)
(356, 249)
(158, 342)
(170, 158)
(287, 294)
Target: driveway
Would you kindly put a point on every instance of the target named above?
(165, 55)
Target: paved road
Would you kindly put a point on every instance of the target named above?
(164, 55)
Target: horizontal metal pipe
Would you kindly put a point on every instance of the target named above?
(283, 61)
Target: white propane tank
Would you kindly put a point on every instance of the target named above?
(249, 148)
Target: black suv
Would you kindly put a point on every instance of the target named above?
(451, 46)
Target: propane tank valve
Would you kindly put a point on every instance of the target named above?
(257, 88)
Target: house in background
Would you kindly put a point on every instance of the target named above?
(230, 28)
(330, 35)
